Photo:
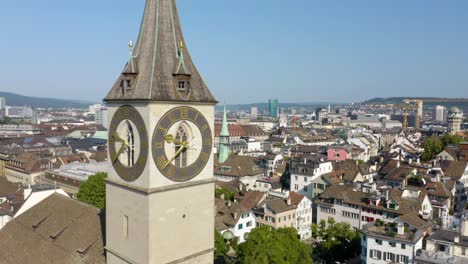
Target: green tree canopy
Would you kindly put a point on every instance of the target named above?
(221, 247)
(228, 195)
(433, 145)
(335, 237)
(279, 246)
(93, 191)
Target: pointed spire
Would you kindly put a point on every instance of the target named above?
(159, 61)
(224, 139)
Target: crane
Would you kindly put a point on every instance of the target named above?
(418, 104)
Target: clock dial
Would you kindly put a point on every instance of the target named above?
(182, 144)
(128, 143)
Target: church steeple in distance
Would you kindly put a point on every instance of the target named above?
(160, 67)
(224, 139)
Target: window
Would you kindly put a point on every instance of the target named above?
(392, 244)
(125, 226)
(363, 238)
(402, 259)
(240, 226)
(364, 251)
(389, 256)
(305, 188)
(378, 241)
(375, 254)
(305, 179)
(297, 178)
(403, 246)
(296, 187)
(249, 224)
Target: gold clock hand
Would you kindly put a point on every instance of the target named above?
(184, 146)
(124, 144)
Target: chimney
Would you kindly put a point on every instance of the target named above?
(456, 239)
(234, 215)
(341, 176)
(398, 164)
(418, 161)
(229, 204)
(288, 201)
(381, 159)
(387, 195)
(401, 229)
(222, 196)
(240, 186)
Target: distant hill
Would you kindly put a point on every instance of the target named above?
(13, 99)
(265, 106)
(428, 102)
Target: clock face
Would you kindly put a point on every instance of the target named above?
(128, 143)
(182, 144)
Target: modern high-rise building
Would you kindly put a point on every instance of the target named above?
(2, 103)
(101, 116)
(454, 119)
(439, 114)
(253, 112)
(274, 108)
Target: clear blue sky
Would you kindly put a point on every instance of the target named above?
(247, 50)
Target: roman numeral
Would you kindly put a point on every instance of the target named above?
(163, 129)
(204, 127)
(158, 145)
(184, 113)
(143, 146)
(207, 142)
(161, 161)
(204, 156)
(171, 171)
(172, 118)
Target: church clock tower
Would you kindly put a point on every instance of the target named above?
(160, 187)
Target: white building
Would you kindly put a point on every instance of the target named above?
(303, 214)
(253, 112)
(2, 103)
(101, 116)
(394, 242)
(234, 221)
(440, 114)
(303, 175)
(345, 204)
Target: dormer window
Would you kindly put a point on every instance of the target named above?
(125, 85)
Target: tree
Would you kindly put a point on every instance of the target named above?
(335, 237)
(93, 191)
(228, 195)
(279, 246)
(433, 145)
(221, 247)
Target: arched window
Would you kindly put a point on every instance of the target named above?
(182, 136)
(130, 149)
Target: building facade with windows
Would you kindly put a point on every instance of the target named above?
(393, 242)
(304, 173)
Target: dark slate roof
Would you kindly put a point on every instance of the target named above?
(157, 56)
(448, 236)
(56, 230)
